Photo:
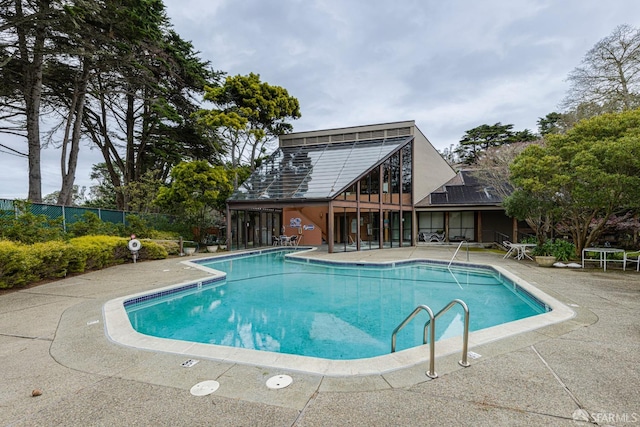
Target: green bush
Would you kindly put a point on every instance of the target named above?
(29, 228)
(172, 247)
(101, 251)
(21, 264)
(152, 250)
(138, 226)
(17, 265)
(90, 224)
(53, 259)
(563, 250)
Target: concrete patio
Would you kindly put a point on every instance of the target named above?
(52, 339)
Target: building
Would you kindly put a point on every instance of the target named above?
(464, 209)
(364, 187)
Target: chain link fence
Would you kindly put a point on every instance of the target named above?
(71, 214)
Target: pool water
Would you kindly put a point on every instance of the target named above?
(335, 312)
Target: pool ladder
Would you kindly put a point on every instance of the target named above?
(430, 325)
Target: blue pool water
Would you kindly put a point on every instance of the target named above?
(328, 311)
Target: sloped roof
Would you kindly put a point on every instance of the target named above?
(462, 190)
(315, 172)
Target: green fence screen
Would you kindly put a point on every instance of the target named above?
(71, 214)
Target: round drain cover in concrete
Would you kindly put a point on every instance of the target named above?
(204, 388)
(279, 381)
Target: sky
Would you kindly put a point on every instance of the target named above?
(449, 65)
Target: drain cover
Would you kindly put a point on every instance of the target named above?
(279, 381)
(204, 388)
(189, 363)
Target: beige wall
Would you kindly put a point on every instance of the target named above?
(430, 170)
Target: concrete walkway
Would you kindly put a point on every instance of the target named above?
(52, 339)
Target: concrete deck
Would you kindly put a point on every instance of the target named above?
(52, 338)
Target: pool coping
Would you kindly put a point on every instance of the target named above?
(118, 328)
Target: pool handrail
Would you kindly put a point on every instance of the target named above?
(465, 334)
(456, 252)
(430, 325)
(432, 349)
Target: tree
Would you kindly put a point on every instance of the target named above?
(549, 123)
(25, 28)
(140, 114)
(194, 191)
(581, 178)
(493, 167)
(249, 114)
(78, 197)
(483, 137)
(609, 76)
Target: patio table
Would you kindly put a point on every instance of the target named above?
(521, 250)
(602, 257)
(285, 240)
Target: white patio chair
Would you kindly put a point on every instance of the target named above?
(635, 258)
(510, 248)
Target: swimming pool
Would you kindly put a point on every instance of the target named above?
(368, 326)
(271, 303)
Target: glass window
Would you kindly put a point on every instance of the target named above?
(407, 169)
(315, 171)
(375, 181)
(431, 222)
(406, 228)
(395, 173)
(461, 226)
(365, 188)
(350, 193)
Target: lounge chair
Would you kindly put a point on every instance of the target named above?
(425, 236)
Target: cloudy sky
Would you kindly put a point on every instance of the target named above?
(449, 65)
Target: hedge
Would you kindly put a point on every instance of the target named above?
(22, 264)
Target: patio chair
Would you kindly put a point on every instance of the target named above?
(293, 240)
(635, 258)
(510, 248)
(352, 241)
(275, 240)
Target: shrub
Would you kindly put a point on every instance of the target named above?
(29, 228)
(563, 250)
(101, 251)
(91, 225)
(53, 259)
(172, 247)
(138, 226)
(152, 250)
(21, 264)
(17, 264)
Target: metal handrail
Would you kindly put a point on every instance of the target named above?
(465, 334)
(432, 350)
(456, 252)
(430, 325)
